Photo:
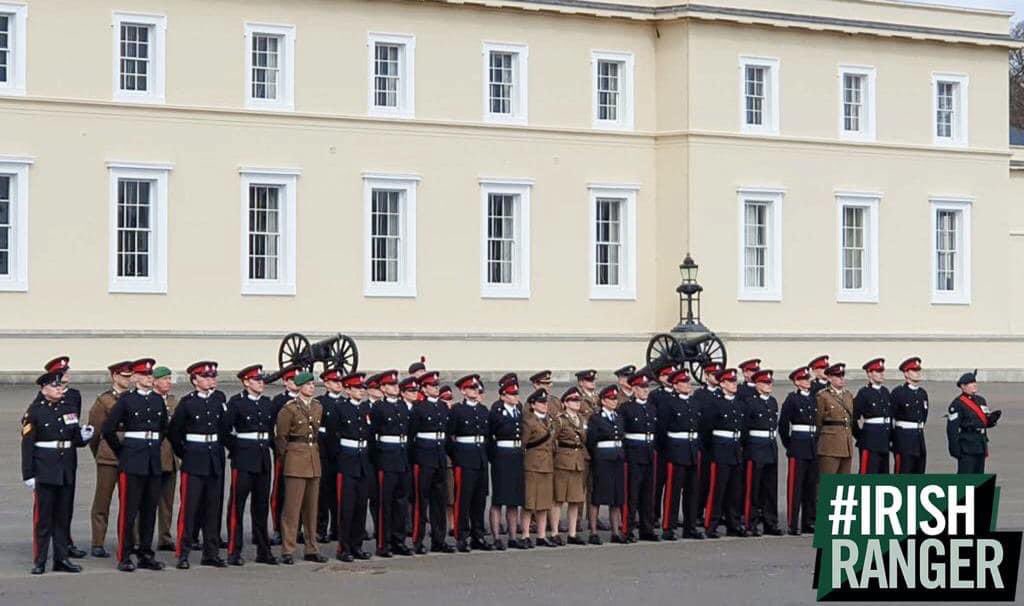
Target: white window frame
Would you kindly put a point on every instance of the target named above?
(520, 82)
(962, 295)
(771, 125)
(286, 65)
(406, 75)
(16, 74)
(773, 272)
(407, 184)
(16, 168)
(959, 137)
(626, 289)
(288, 178)
(156, 79)
(867, 119)
(520, 288)
(624, 111)
(868, 293)
(158, 173)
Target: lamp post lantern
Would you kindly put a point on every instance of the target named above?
(689, 292)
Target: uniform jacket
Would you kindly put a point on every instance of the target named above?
(278, 401)
(247, 415)
(761, 413)
(601, 427)
(74, 399)
(168, 462)
(591, 403)
(872, 402)
(196, 414)
(967, 424)
(833, 415)
(390, 418)
(429, 416)
(136, 411)
(570, 442)
(680, 414)
(97, 417)
(707, 397)
(620, 396)
(468, 419)
(726, 414)
(539, 455)
(330, 405)
(554, 405)
(504, 425)
(746, 390)
(639, 418)
(295, 436)
(799, 409)
(50, 422)
(818, 385)
(352, 422)
(909, 404)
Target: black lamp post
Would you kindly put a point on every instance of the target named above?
(689, 290)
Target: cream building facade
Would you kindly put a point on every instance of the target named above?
(506, 184)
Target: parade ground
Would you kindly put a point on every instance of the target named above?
(762, 571)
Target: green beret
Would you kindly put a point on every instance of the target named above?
(303, 377)
(161, 371)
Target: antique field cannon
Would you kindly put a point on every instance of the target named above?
(339, 351)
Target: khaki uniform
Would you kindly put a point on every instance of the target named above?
(554, 406)
(590, 403)
(538, 462)
(835, 439)
(298, 425)
(168, 482)
(106, 467)
(571, 458)
(621, 397)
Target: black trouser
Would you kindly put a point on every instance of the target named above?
(761, 490)
(138, 497)
(908, 463)
(351, 496)
(801, 493)
(71, 511)
(243, 485)
(660, 470)
(680, 481)
(430, 490)
(640, 488)
(470, 502)
(392, 507)
(873, 462)
(327, 511)
(705, 481)
(970, 463)
(725, 492)
(277, 494)
(51, 509)
(200, 504)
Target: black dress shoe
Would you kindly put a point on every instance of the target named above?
(75, 552)
(576, 540)
(420, 549)
(481, 545)
(182, 564)
(595, 539)
(442, 548)
(528, 544)
(221, 543)
(737, 532)
(321, 537)
(668, 535)
(694, 534)
(544, 543)
(808, 528)
(794, 532)
(363, 555)
(39, 568)
(630, 537)
(217, 562)
(98, 551)
(149, 563)
(235, 560)
(774, 531)
(755, 531)
(401, 549)
(124, 566)
(319, 558)
(618, 539)
(346, 557)
(66, 566)
(165, 547)
(499, 545)
(649, 536)
(462, 546)
(515, 544)
(712, 534)
(383, 553)
(287, 560)
(267, 559)
(276, 539)
(556, 541)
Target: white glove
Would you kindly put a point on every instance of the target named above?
(87, 432)
(31, 483)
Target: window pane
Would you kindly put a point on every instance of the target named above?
(608, 89)
(947, 237)
(608, 243)
(853, 229)
(385, 236)
(135, 57)
(500, 82)
(265, 58)
(754, 87)
(853, 101)
(386, 74)
(755, 245)
(265, 231)
(945, 108)
(501, 238)
(6, 228)
(134, 232)
(5, 47)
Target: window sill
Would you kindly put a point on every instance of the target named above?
(272, 107)
(950, 143)
(12, 91)
(760, 296)
(856, 297)
(759, 131)
(614, 126)
(505, 119)
(857, 137)
(950, 299)
(617, 294)
(395, 292)
(137, 289)
(142, 99)
(386, 112)
(490, 292)
(7, 285)
(270, 289)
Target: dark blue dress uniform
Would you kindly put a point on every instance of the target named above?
(327, 511)
(73, 397)
(658, 397)
(467, 446)
(967, 424)
(427, 433)
(872, 405)
(679, 439)
(249, 435)
(640, 423)
(707, 397)
(607, 459)
(724, 433)
(351, 436)
(505, 432)
(50, 433)
(142, 416)
(910, 413)
(798, 433)
(760, 425)
(389, 419)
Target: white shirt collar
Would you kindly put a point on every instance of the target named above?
(805, 392)
(541, 415)
(143, 392)
(335, 396)
(252, 397)
(876, 386)
(913, 386)
(641, 401)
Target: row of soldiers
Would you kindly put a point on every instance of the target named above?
(646, 448)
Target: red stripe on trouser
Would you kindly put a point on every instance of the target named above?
(749, 497)
(865, 456)
(342, 537)
(711, 497)
(35, 526)
(275, 515)
(182, 506)
(667, 499)
(457, 476)
(625, 501)
(416, 509)
(233, 513)
(790, 486)
(896, 463)
(122, 499)
(380, 510)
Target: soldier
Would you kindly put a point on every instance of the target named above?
(679, 425)
(49, 428)
(505, 449)
(291, 391)
(707, 397)
(73, 397)
(295, 439)
(390, 426)
(798, 432)
(538, 469)
(106, 460)
(625, 392)
(195, 436)
(350, 431)
(168, 463)
(746, 389)
(327, 510)
(418, 369)
(819, 380)
(427, 428)
(832, 418)
(608, 465)
(910, 413)
(967, 425)
(445, 395)
(872, 407)
(571, 456)
(585, 382)
(659, 396)
(542, 380)
(467, 444)
(640, 421)
(723, 426)
(249, 432)
(761, 451)
(140, 416)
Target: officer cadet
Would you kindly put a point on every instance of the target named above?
(819, 380)
(658, 396)
(350, 435)
(427, 430)
(389, 420)
(419, 368)
(106, 460)
(327, 510)
(505, 450)
(467, 446)
(760, 424)
(679, 440)
(967, 424)
(798, 432)
(707, 396)
(872, 407)
(723, 424)
(445, 395)
(538, 470)
(168, 463)
(747, 389)
(910, 413)
(622, 376)
(585, 382)
(195, 436)
(249, 434)
(608, 468)
(833, 417)
(571, 461)
(73, 397)
(295, 439)
(290, 392)
(542, 380)
(640, 420)
(50, 428)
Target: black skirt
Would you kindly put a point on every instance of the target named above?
(609, 483)
(507, 483)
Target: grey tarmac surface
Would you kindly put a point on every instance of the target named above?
(762, 571)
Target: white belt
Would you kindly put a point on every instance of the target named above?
(322, 430)
(682, 435)
(430, 435)
(609, 444)
(56, 444)
(878, 421)
(469, 439)
(640, 437)
(391, 439)
(722, 433)
(508, 444)
(352, 443)
(142, 435)
(201, 437)
(253, 435)
(762, 433)
(804, 428)
(909, 425)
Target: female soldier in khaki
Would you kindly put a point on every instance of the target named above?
(539, 468)
(570, 429)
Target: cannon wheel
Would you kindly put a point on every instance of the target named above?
(344, 354)
(709, 349)
(663, 348)
(292, 348)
